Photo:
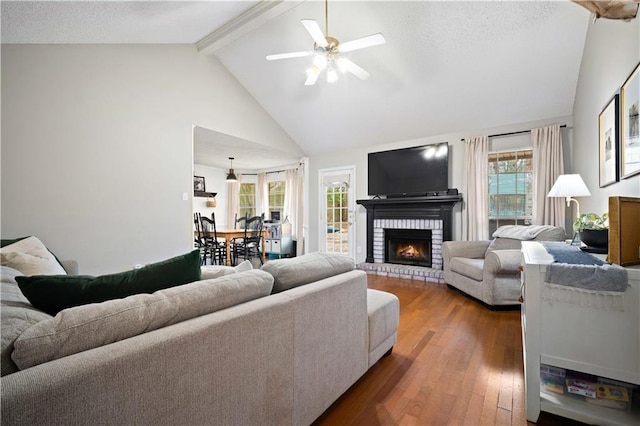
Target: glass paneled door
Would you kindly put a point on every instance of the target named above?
(337, 231)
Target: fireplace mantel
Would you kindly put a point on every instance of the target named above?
(433, 207)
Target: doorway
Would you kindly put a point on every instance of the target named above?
(337, 204)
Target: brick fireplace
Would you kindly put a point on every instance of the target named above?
(405, 218)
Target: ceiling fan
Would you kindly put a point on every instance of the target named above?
(327, 52)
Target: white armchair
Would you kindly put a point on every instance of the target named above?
(489, 270)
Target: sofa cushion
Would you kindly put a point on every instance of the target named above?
(210, 272)
(383, 311)
(55, 293)
(297, 271)
(17, 315)
(471, 268)
(31, 257)
(81, 328)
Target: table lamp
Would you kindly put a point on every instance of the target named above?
(570, 186)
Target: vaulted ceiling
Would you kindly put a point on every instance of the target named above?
(446, 66)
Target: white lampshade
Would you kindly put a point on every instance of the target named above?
(569, 186)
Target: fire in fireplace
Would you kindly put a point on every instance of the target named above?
(408, 246)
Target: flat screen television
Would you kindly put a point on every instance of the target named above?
(416, 171)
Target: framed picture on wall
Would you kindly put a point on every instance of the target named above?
(630, 125)
(608, 142)
(198, 184)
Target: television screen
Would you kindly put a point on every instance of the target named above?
(415, 171)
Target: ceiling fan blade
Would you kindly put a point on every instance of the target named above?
(361, 43)
(312, 76)
(288, 55)
(315, 31)
(354, 69)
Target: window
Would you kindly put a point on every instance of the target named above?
(276, 197)
(510, 188)
(247, 200)
(337, 219)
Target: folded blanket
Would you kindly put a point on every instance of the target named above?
(575, 268)
(588, 277)
(520, 232)
(565, 253)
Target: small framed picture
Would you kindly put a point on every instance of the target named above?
(630, 125)
(608, 141)
(198, 184)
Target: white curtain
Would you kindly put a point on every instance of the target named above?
(293, 204)
(233, 202)
(476, 188)
(548, 165)
(262, 195)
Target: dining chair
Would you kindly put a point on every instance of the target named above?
(240, 222)
(200, 241)
(216, 247)
(250, 245)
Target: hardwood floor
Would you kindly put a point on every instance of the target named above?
(456, 362)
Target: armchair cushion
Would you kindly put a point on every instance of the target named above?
(471, 268)
(470, 249)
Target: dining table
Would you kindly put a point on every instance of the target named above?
(229, 234)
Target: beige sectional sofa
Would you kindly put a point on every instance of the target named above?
(275, 346)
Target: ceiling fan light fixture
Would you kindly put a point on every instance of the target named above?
(312, 76)
(332, 75)
(231, 176)
(327, 52)
(320, 61)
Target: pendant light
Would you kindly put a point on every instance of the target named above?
(231, 176)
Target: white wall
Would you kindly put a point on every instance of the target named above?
(215, 181)
(358, 157)
(97, 146)
(611, 52)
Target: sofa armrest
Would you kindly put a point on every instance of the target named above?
(502, 261)
(468, 249)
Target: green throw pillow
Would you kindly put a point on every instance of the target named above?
(53, 293)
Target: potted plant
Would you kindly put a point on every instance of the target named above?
(593, 229)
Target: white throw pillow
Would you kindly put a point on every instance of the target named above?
(210, 272)
(30, 257)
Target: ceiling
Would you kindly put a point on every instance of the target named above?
(447, 66)
(214, 149)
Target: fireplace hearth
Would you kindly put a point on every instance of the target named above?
(408, 247)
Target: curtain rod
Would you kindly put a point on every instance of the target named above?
(266, 173)
(512, 133)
